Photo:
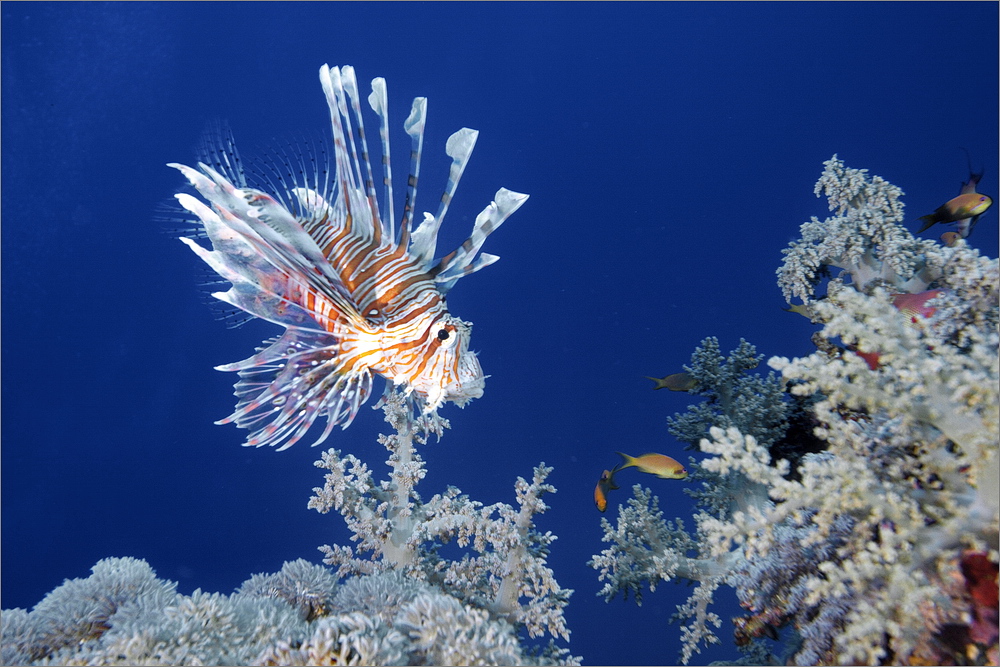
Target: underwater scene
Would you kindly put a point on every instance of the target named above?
(499, 333)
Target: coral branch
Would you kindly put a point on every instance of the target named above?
(507, 575)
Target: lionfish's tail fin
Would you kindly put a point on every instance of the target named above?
(459, 149)
(290, 383)
(463, 261)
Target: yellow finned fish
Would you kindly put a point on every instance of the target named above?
(655, 464)
(964, 206)
(964, 210)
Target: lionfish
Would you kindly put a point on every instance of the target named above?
(323, 259)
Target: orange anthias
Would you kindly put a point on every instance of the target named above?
(963, 210)
(604, 484)
(655, 464)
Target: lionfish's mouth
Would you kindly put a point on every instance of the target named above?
(470, 383)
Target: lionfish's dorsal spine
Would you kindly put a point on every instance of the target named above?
(459, 149)
(414, 126)
(378, 100)
(350, 81)
(361, 215)
(463, 261)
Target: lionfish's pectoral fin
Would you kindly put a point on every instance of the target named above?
(291, 382)
(271, 259)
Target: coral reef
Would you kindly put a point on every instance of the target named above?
(406, 604)
(881, 545)
(79, 610)
(143, 621)
(307, 587)
(124, 615)
(400, 531)
(645, 549)
(863, 239)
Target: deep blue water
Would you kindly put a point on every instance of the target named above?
(670, 151)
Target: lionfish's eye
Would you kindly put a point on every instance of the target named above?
(443, 334)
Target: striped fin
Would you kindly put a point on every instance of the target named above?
(361, 215)
(414, 126)
(249, 295)
(462, 261)
(379, 102)
(234, 258)
(351, 87)
(264, 225)
(290, 383)
(459, 149)
(257, 286)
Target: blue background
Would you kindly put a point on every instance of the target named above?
(670, 151)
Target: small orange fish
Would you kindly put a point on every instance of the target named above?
(604, 484)
(949, 238)
(675, 382)
(655, 464)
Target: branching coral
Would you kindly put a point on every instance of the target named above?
(404, 605)
(400, 531)
(863, 239)
(734, 397)
(643, 547)
(864, 553)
